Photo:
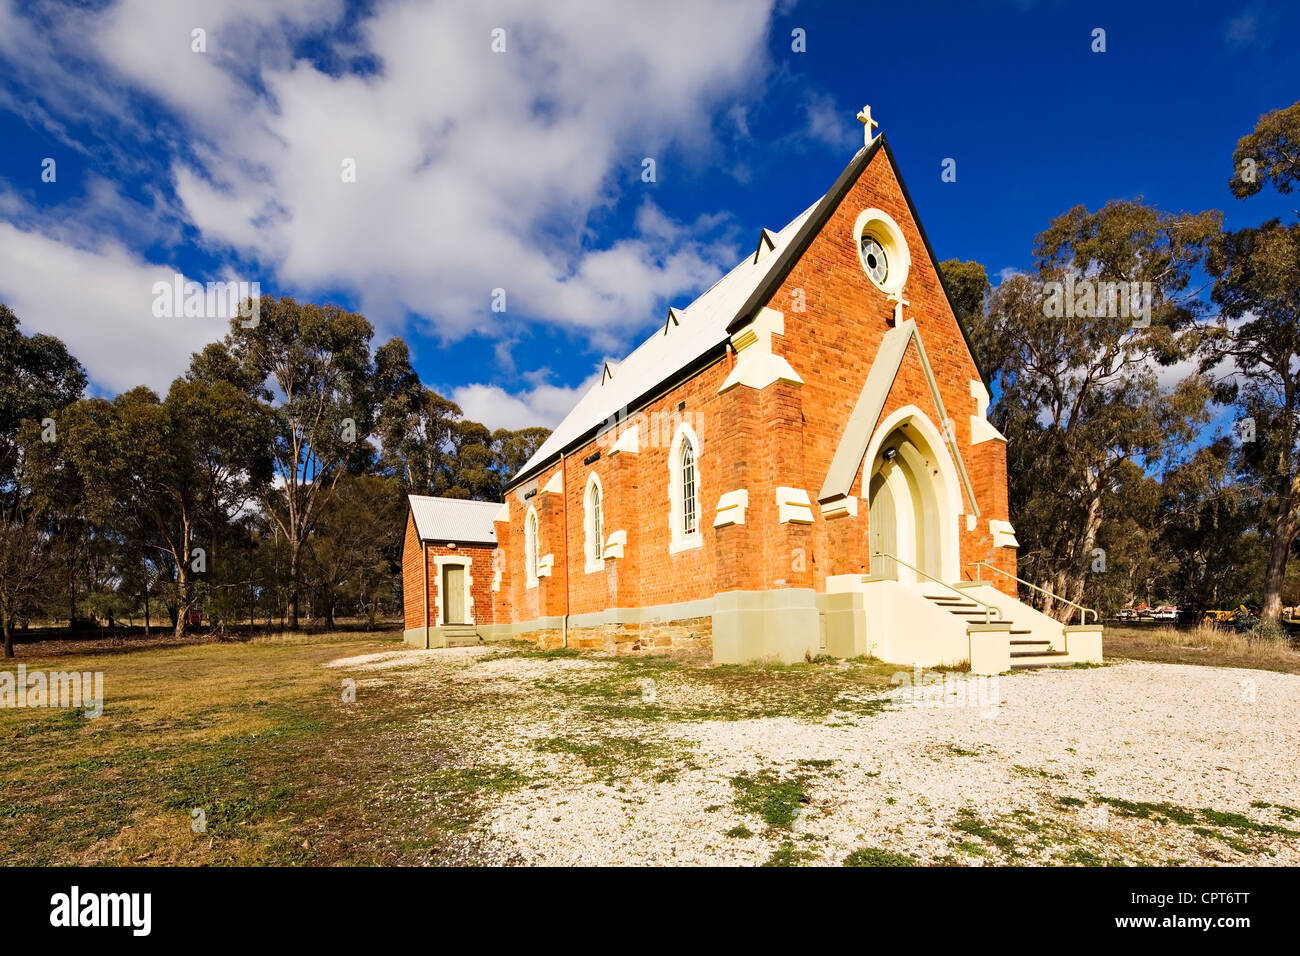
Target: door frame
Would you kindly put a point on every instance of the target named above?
(454, 561)
(946, 484)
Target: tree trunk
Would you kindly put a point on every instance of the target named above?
(293, 586)
(182, 599)
(1277, 556)
(9, 637)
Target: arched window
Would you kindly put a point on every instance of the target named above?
(689, 509)
(530, 548)
(684, 491)
(595, 525)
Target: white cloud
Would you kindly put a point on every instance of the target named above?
(99, 302)
(1245, 30)
(828, 124)
(495, 407)
(475, 170)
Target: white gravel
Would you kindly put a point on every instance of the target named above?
(928, 782)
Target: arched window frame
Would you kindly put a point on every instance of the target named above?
(593, 522)
(532, 547)
(679, 488)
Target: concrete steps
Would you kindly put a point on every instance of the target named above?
(460, 635)
(1028, 645)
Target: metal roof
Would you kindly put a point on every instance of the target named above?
(454, 519)
(727, 305)
(700, 326)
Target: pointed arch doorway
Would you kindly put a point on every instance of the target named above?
(913, 501)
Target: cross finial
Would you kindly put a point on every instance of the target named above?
(868, 124)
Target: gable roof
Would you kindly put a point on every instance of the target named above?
(707, 323)
(454, 519)
(686, 336)
(813, 225)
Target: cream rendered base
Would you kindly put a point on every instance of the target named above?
(858, 616)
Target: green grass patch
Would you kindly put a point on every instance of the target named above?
(778, 800)
(971, 825)
(1158, 812)
(790, 854)
(620, 756)
(1242, 823)
(871, 856)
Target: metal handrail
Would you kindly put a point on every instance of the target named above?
(1083, 611)
(988, 608)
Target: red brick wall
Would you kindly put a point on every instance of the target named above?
(832, 343)
(758, 441)
(487, 604)
(480, 583)
(412, 577)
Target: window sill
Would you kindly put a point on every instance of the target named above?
(687, 542)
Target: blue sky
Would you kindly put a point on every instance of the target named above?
(522, 169)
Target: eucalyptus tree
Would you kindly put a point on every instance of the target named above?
(142, 480)
(1075, 350)
(38, 379)
(311, 369)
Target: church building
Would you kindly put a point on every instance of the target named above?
(798, 463)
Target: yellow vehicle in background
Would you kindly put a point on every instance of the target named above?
(1242, 616)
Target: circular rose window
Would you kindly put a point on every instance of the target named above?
(874, 259)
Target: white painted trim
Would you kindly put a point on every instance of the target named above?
(687, 542)
(464, 562)
(793, 506)
(1004, 536)
(731, 508)
(556, 484)
(756, 366)
(615, 544)
(950, 501)
(679, 540)
(882, 227)
(598, 564)
(629, 441)
(532, 543)
(980, 429)
(846, 506)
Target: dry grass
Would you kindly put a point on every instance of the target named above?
(257, 735)
(1206, 644)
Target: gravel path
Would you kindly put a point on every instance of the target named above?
(1132, 762)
